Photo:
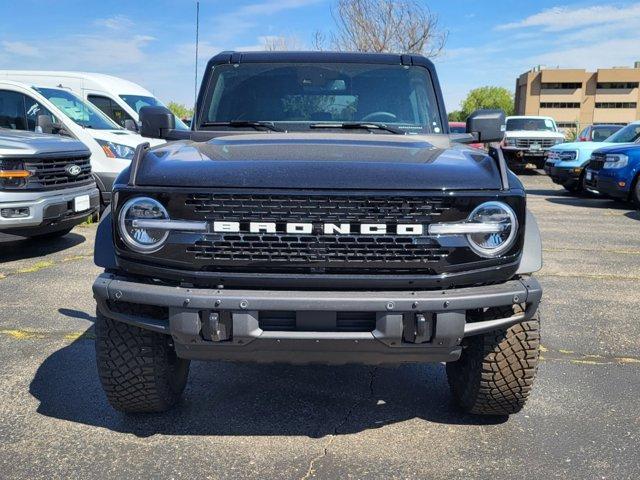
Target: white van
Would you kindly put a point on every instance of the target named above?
(57, 110)
(119, 99)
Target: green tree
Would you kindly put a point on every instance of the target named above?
(488, 97)
(457, 116)
(179, 110)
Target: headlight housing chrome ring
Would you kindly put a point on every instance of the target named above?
(141, 239)
(493, 244)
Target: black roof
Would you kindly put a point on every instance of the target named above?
(321, 57)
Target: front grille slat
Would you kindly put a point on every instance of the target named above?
(527, 142)
(50, 173)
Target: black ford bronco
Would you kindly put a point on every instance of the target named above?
(318, 211)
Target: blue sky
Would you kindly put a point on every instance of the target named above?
(152, 42)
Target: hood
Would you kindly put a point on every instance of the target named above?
(19, 143)
(618, 148)
(583, 147)
(320, 161)
(125, 137)
(580, 145)
(532, 134)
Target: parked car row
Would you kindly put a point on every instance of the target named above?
(608, 168)
(64, 138)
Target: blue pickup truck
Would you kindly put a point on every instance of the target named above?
(566, 163)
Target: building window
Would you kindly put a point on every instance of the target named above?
(616, 105)
(567, 125)
(559, 104)
(617, 85)
(561, 86)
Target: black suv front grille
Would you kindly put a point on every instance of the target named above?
(54, 172)
(597, 161)
(318, 251)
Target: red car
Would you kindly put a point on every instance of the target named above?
(461, 127)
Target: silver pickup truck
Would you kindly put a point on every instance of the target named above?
(46, 186)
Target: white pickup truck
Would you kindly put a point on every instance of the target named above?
(527, 139)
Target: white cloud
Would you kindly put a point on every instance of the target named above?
(602, 54)
(589, 38)
(569, 18)
(228, 26)
(118, 46)
(115, 22)
(20, 48)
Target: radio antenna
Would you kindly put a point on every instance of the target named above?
(195, 86)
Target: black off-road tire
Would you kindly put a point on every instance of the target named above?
(495, 373)
(138, 368)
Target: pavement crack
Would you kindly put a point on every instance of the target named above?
(336, 430)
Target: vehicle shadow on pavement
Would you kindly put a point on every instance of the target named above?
(18, 248)
(254, 399)
(590, 202)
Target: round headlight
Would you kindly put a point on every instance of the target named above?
(497, 242)
(136, 235)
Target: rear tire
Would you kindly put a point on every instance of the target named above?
(495, 373)
(138, 368)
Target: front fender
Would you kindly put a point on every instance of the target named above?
(104, 254)
(531, 260)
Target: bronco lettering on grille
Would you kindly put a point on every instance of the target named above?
(326, 228)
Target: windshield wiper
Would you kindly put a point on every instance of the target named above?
(358, 125)
(258, 125)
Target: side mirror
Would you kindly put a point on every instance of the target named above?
(131, 125)
(486, 125)
(156, 122)
(44, 124)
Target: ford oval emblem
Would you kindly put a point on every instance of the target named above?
(73, 170)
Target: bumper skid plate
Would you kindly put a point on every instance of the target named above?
(224, 324)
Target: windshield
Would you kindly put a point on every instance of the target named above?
(82, 113)
(601, 133)
(301, 95)
(628, 134)
(534, 124)
(138, 101)
(462, 128)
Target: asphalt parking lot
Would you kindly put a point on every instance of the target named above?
(264, 421)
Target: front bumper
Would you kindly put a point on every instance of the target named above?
(47, 209)
(563, 175)
(603, 184)
(190, 315)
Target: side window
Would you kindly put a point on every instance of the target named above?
(12, 110)
(32, 109)
(110, 108)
